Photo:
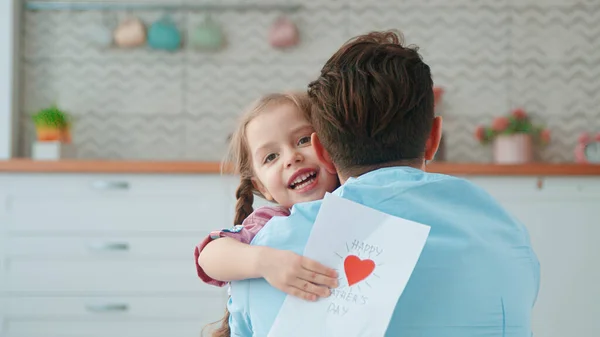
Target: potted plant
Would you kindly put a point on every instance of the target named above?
(52, 125)
(53, 130)
(513, 137)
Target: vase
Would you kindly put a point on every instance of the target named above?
(513, 149)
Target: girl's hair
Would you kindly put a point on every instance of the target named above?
(239, 160)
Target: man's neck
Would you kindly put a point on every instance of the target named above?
(418, 164)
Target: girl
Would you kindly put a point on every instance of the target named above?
(271, 151)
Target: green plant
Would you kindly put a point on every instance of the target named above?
(52, 124)
(517, 122)
(51, 117)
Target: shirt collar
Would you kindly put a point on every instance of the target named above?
(394, 171)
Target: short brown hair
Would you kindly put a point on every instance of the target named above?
(373, 103)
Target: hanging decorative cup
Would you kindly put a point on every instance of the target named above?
(208, 35)
(101, 35)
(164, 34)
(130, 33)
(283, 33)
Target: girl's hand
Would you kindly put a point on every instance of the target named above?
(296, 275)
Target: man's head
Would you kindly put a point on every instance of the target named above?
(373, 106)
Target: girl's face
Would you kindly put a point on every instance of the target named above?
(285, 165)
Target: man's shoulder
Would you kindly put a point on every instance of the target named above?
(449, 184)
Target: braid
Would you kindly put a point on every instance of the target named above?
(245, 199)
(223, 330)
(243, 208)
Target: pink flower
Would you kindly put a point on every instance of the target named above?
(500, 124)
(480, 133)
(597, 138)
(519, 113)
(545, 136)
(584, 138)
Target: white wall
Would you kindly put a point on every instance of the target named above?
(9, 23)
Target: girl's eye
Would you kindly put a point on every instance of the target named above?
(270, 158)
(304, 140)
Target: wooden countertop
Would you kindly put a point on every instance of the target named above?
(196, 167)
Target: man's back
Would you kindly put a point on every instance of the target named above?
(477, 274)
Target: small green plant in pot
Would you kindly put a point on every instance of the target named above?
(513, 137)
(52, 125)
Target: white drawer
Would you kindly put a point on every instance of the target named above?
(548, 188)
(56, 185)
(105, 276)
(104, 328)
(76, 214)
(206, 308)
(99, 247)
(108, 203)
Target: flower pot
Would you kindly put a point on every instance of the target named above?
(48, 134)
(53, 134)
(52, 150)
(513, 149)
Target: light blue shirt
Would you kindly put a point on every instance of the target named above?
(477, 275)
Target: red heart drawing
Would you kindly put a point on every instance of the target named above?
(357, 269)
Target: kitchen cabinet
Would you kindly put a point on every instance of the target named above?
(96, 255)
(92, 254)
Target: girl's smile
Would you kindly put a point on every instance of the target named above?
(286, 168)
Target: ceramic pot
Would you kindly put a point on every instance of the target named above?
(130, 33)
(101, 36)
(513, 149)
(164, 35)
(283, 33)
(208, 35)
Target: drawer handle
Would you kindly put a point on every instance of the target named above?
(110, 185)
(110, 246)
(111, 307)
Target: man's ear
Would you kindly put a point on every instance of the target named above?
(322, 154)
(435, 136)
(257, 184)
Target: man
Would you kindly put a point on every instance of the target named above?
(375, 126)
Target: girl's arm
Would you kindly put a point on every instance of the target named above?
(243, 233)
(226, 259)
(227, 256)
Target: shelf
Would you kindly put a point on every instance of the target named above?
(198, 167)
(124, 6)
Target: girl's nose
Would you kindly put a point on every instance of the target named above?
(294, 158)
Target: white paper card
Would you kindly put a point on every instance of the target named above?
(374, 254)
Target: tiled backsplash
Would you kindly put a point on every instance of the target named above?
(489, 56)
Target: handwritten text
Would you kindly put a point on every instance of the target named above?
(342, 301)
(365, 248)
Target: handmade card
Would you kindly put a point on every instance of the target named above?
(374, 254)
